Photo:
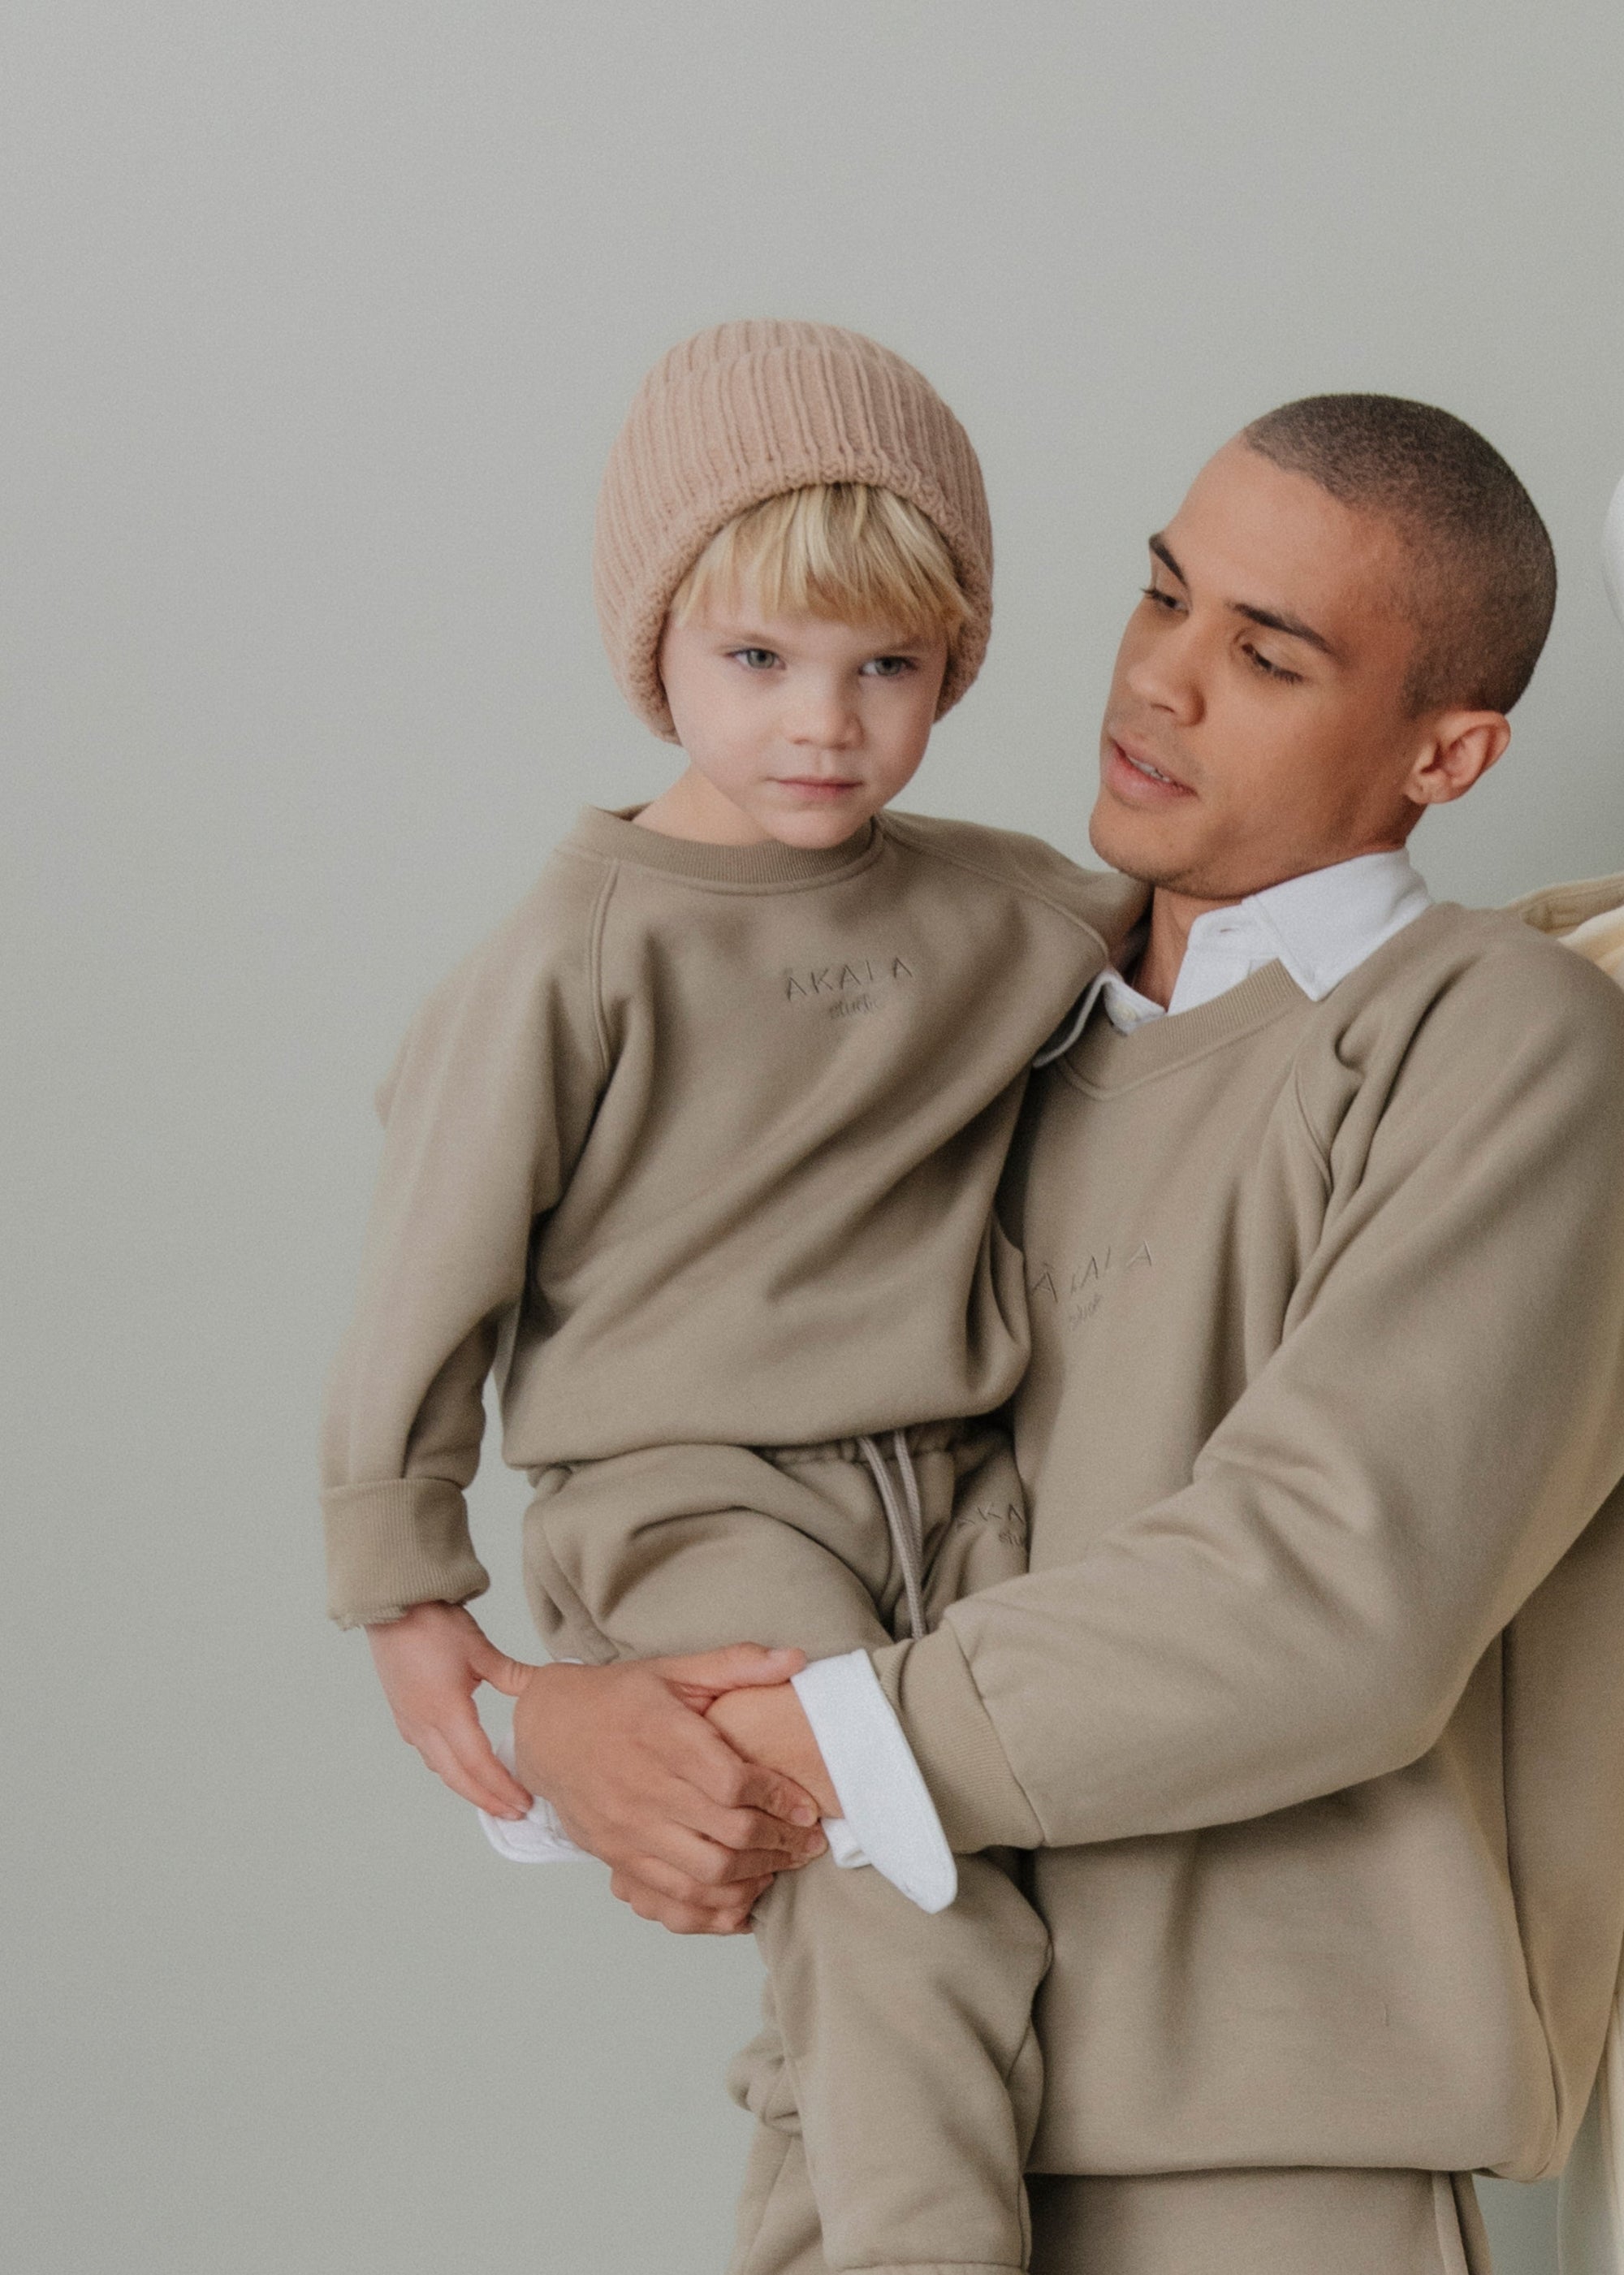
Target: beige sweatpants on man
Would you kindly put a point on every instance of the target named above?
(902, 2049)
(1261, 2222)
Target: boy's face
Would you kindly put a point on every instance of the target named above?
(794, 729)
(1256, 727)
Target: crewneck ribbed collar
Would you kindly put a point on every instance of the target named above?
(616, 837)
(1106, 1060)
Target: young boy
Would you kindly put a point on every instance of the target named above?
(701, 1151)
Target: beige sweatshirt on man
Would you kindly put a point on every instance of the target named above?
(1313, 1699)
(701, 1147)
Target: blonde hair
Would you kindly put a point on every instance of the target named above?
(847, 552)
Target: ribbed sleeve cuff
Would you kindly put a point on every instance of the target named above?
(394, 1545)
(950, 1734)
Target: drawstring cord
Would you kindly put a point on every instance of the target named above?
(907, 1528)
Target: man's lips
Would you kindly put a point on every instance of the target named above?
(1133, 774)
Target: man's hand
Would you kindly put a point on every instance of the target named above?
(769, 1726)
(692, 1833)
(430, 1662)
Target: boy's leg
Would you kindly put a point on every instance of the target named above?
(689, 1547)
(900, 2084)
(910, 2065)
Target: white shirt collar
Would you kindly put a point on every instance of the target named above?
(1320, 926)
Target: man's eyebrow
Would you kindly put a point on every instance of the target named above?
(1272, 619)
(1163, 551)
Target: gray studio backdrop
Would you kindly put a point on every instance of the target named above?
(318, 319)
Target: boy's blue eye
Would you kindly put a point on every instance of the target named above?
(756, 659)
(889, 667)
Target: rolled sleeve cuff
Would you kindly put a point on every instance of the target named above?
(939, 1713)
(886, 1805)
(394, 1545)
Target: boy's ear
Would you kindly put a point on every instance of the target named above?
(1459, 749)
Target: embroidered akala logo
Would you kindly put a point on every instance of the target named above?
(843, 991)
(1008, 1522)
(1080, 1293)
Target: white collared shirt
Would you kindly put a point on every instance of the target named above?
(1320, 926)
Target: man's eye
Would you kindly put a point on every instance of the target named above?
(1272, 670)
(889, 667)
(755, 659)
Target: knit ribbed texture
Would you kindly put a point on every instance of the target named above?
(746, 412)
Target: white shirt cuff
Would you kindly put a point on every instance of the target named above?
(886, 1805)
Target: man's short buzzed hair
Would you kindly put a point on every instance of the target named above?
(1483, 585)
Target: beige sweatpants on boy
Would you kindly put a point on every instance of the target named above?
(910, 2069)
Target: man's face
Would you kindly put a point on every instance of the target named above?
(1256, 728)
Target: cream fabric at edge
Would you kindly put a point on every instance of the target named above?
(1592, 2194)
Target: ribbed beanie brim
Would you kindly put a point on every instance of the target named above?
(742, 412)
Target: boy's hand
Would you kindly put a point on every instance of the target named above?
(430, 1662)
(694, 1832)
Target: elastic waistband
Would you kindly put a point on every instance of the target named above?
(921, 1437)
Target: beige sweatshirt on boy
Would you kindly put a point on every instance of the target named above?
(701, 1147)
(1313, 1699)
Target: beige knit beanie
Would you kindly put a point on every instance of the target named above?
(742, 412)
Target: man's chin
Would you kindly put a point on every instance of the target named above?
(1136, 846)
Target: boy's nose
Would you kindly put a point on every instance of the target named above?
(822, 721)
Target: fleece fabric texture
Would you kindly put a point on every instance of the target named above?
(701, 1149)
(1311, 1700)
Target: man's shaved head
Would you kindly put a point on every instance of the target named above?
(1481, 581)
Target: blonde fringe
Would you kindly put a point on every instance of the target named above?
(842, 551)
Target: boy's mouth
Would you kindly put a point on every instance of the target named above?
(817, 786)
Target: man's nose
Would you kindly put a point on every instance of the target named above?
(1169, 673)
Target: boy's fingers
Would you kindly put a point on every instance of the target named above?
(508, 1675)
(463, 1759)
(439, 1758)
(464, 1734)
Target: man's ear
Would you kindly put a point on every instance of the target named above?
(1459, 748)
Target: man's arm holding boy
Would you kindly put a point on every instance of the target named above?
(1160, 1682)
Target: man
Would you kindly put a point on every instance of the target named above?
(1309, 1705)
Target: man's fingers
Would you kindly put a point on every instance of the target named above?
(736, 1667)
(707, 1760)
(682, 1910)
(754, 1832)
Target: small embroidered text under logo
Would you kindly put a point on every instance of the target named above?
(845, 989)
(1082, 1289)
